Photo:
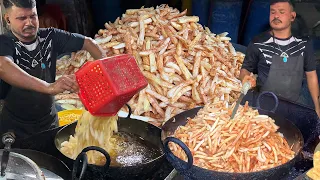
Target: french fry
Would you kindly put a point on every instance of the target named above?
(174, 66)
(156, 95)
(187, 19)
(183, 68)
(176, 26)
(157, 80)
(153, 65)
(142, 32)
(155, 104)
(103, 40)
(135, 24)
(180, 93)
(197, 64)
(119, 46)
(111, 44)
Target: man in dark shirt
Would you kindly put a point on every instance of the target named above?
(28, 63)
(280, 59)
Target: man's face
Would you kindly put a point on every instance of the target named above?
(281, 15)
(24, 22)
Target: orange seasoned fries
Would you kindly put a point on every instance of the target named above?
(248, 143)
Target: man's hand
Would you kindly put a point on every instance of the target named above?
(251, 79)
(64, 83)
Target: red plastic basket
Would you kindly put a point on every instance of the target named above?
(106, 85)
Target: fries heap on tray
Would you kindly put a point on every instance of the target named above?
(186, 65)
(250, 142)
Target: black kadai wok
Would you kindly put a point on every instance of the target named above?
(144, 141)
(187, 169)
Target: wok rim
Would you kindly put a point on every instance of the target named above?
(23, 151)
(296, 156)
(138, 164)
(17, 150)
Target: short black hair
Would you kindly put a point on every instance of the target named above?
(19, 3)
(291, 2)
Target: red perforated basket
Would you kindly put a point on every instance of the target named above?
(106, 85)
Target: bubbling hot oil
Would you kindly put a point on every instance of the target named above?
(130, 150)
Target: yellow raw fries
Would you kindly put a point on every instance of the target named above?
(68, 116)
(91, 131)
(68, 119)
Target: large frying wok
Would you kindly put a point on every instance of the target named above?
(190, 171)
(143, 129)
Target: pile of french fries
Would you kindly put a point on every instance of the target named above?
(248, 143)
(69, 101)
(185, 64)
(66, 65)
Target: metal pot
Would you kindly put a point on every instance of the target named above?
(29, 164)
(51, 167)
(17, 166)
(188, 170)
(144, 130)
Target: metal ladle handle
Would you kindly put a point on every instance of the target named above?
(246, 87)
(7, 139)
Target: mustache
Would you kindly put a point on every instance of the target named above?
(276, 20)
(29, 28)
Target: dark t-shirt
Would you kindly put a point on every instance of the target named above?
(37, 58)
(262, 48)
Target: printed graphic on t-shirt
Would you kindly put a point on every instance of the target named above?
(31, 56)
(283, 48)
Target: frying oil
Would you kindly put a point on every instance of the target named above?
(131, 149)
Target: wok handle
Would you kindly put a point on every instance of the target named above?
(130, 111)
(275, 99)
(83, 157)
(184, 148)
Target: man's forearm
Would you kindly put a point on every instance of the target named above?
(243, 73)
(93, 48)
(15, 76)
(313, 86)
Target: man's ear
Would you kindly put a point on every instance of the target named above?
(293, 16)
(6, 18)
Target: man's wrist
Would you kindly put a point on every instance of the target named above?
(47, 88)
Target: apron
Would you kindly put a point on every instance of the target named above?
(26, 112)
(285, 78)
(25, 128)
